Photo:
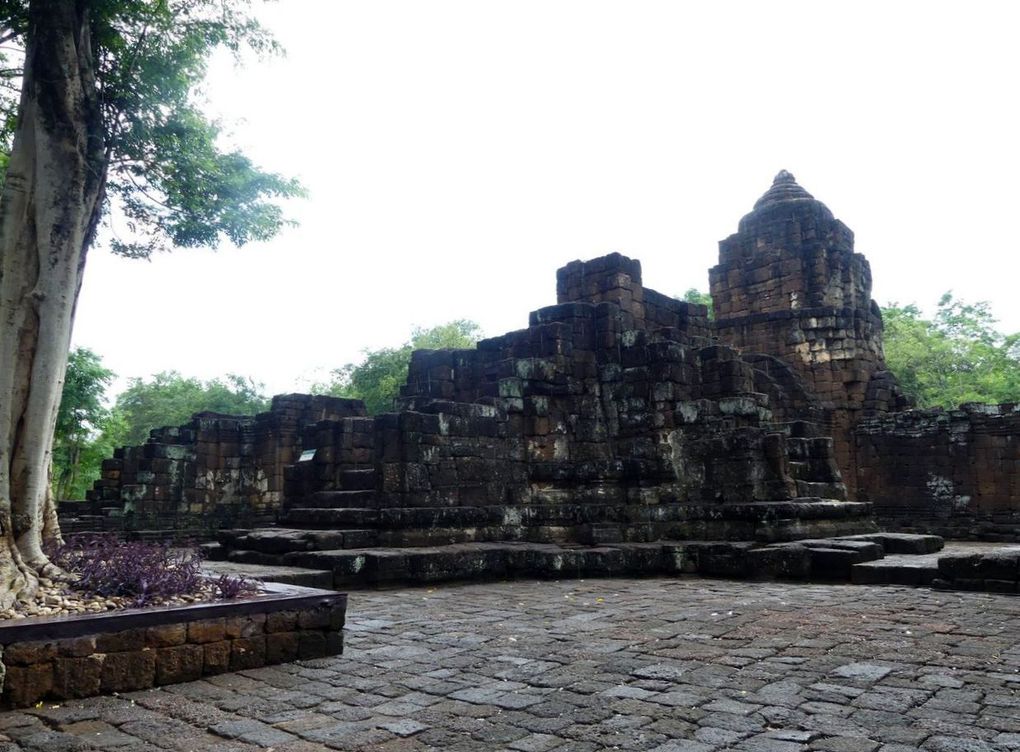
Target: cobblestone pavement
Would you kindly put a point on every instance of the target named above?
(670, 665)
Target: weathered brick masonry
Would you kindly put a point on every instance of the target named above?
(215, 471)
(81, 656)
(955, 473)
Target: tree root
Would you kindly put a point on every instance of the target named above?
(49, 571)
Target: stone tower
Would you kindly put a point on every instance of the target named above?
(789, 284)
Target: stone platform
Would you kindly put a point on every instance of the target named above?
(961, 565)
(650, 664)
(824, 559)
(285, 575)
(565, 523)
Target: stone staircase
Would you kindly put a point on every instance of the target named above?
(348, 519)
(94, 516)
(903, 559)
(960, 565)
(900, 569)
(365, 553)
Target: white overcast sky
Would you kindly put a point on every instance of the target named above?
(457, 153)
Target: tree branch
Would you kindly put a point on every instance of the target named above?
(115, 123)
(149, 196)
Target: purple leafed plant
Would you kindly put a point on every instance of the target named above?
(229, 586)
(107, 566)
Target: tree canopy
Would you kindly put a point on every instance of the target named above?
(167, 174)
(694, 295)
(82, 419)
(377, 379)
(170, 399)
(956, 356)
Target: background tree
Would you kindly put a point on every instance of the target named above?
(956, 356)
(694, 295)
(106, 112)
(82, 417)
(377, 379)
(169, 399)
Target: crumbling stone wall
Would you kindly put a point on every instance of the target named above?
(215, 471)
(618, 392)
(614, 278)
(340, 455)
(952, 472)
(438, 455)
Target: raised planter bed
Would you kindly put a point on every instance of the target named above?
(59, 658)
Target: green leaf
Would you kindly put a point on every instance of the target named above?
(377, 379)
(958, 356)
(170, 399)
(167, 170)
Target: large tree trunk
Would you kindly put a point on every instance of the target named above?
(51, 199)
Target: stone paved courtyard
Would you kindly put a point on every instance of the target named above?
(657, 664)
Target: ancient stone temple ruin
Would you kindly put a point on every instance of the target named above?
(618, 424)
(790, 286)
